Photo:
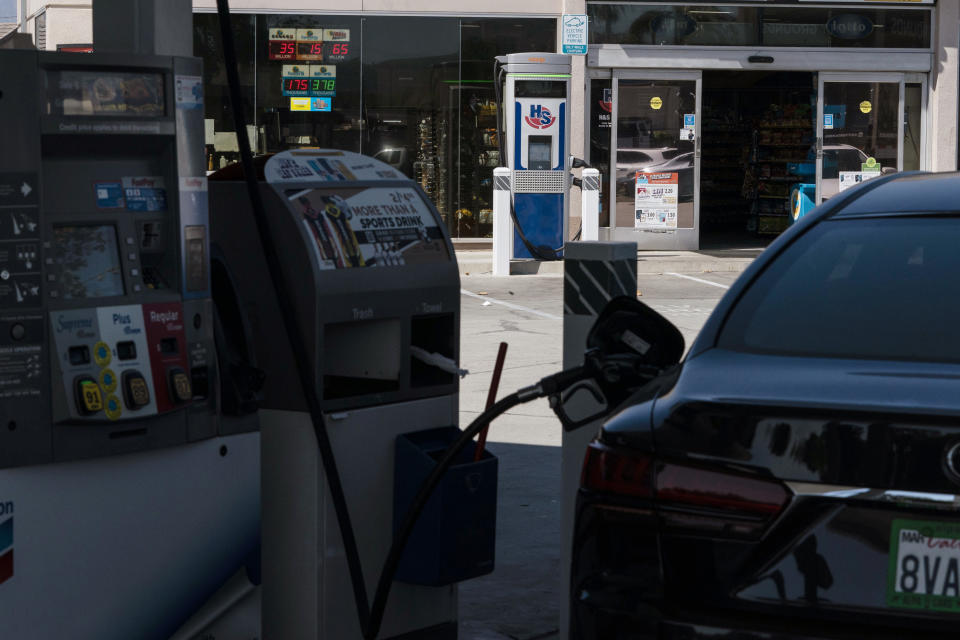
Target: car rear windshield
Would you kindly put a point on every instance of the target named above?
(883, 287)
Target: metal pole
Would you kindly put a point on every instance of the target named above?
(594, 273)
(149, 27)
(502, 224)
(590, 205)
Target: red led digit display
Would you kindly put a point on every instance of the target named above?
(296, 84)
(336, 51)
(309, 51)
(280, 50)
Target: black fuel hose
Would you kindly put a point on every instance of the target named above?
(284, 299)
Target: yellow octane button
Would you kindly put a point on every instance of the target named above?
(108, 380)
(113, 410)
(90, 399)
(101, 354)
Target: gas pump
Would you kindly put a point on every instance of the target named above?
(536, 115)
(373, 282)
(123, 503)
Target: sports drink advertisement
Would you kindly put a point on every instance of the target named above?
(369, 226)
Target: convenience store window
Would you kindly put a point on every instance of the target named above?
(745, 26)
(415, 92)
(600, 107)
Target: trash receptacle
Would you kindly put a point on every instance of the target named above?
(455, 537)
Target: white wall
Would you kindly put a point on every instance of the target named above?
(68, 25)
(942, 130)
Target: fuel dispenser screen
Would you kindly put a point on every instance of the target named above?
(89, 260)
(105, 93)
(370, 226)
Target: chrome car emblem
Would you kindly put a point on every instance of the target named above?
(951, 462)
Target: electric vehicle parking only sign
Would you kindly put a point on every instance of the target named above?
(574, 40)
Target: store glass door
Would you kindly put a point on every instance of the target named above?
(860, 129)
(656, 159)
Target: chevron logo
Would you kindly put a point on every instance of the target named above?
(6, 541)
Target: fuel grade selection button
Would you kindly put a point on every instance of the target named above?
(108, 380)
(180, 386)
(101, 354)
(114, 409)
(88, 397)
(136, 393)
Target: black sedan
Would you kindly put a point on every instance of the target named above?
(798, 474)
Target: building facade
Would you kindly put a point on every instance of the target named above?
(737, 103)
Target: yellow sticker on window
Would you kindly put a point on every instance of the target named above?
(656, 102)
(866, 106)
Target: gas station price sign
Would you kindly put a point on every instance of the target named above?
(309, 80)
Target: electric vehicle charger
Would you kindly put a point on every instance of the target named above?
(543, 252)
(612, 370)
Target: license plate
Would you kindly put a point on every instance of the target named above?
(924, 571)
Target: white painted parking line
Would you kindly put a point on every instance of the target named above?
(510, 305)
(700, 280)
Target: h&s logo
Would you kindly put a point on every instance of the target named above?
(540, 117)
(6, 541)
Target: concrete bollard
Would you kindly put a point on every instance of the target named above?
(590, 205)
(594, 273)
(502, 223)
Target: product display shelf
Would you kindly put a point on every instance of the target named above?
(782, 136)
(723, 162)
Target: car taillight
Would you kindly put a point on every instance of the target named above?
(687, 497)
(617, 471)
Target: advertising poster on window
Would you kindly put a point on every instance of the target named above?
(850, 179)
(655, 200)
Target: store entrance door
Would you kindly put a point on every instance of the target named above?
(860, 129)
(656, 156)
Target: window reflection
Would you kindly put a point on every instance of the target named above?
(730, 26)
(414, 92)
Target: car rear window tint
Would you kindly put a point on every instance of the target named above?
(885, 288)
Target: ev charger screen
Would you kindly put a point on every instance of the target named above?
(89, 261)
(540, 153)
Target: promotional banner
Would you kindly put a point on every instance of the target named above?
(369, 226)
(655, 200)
